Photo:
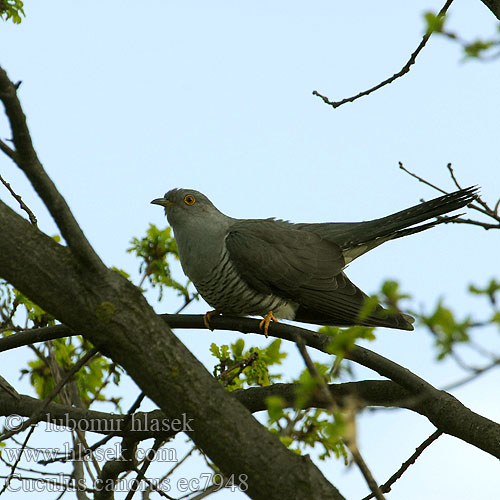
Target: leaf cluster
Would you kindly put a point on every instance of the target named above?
(449, 331)
(12, 9)
(153, 250)
(90, 381)
(239, 368)
(303, 428)
(480, 48)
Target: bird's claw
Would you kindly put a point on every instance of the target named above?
(265, 322)
(207, 316)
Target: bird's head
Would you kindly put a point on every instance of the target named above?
(183, 205)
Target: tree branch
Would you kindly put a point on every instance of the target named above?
(27, 160)
(414, 393)
(8, 151)
(405, 69)
(106, 308)
(349, 437)
(23, 205)
(156, 424)
(386, 487)
(53, 393)
(484, 208)
(494, 6)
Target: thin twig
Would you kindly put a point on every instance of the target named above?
(151, 486)
(469, 378)
(350, 441)
(178, 464)
(141, 473)
(35, 480)
(497, 206)
(8, 151)
(487, 209)
(18, 459)
(358, 459)
(23, 205)
(244, 363)
(73, 456)
(405, 69)
(55, 391)
(472, 222)
(452, 174)
(484, 208)
(27, 160)
(386, 487)
(420, 179)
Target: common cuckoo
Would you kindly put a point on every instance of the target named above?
(278, 269)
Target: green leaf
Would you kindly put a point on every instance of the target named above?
(446, 328)
(35, 313)
(434, 22)
(237, 348)
(275, 405)
(214, 349)
(11, 9)
(344, 339)
(239, 368)
(475, 49)
(154, 250)
(490, 290)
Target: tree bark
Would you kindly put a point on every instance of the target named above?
(494, 6)
(112, 313)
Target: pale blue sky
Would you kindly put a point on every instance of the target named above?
(126, 102)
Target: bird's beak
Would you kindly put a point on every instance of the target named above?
(163, 202)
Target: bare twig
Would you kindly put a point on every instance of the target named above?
(475, 374)
(452, 174)
(472, 222)
(141, 473)
(52, 394)
(112, 469)
(405, 69)
(51, 482)
(23, 205)
(18, 459)
(179, 463)
(420, 179)
(358, 459)
(487, 209)
(73, 456)
(8, 151)
(386, 487)
(27, 160)
(484, 208)
(311, 367)
(350, 440)
(41, 472)
(497, 206)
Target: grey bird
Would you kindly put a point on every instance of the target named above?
(278, 269)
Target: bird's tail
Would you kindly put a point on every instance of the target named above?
(407, 221)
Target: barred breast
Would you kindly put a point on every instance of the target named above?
(224, 289)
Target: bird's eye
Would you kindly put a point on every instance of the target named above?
(189, 199)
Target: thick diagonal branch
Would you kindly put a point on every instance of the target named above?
(116, 318)
(27, 160)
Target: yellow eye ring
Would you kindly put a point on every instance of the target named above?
(189, 199)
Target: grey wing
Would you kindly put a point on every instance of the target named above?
(300, 266)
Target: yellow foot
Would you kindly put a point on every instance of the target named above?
(265, 322)
(208, 315)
